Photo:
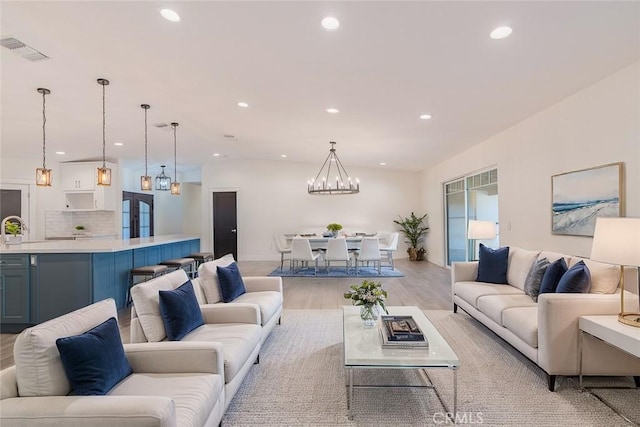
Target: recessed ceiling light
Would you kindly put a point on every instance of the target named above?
(118, 144)
(170, 15)
(284, 156)
(330, 23)
(383, 164)
(332, 110)
(425, 116)
(243, 104)
(500, 33)
(60, 152)
(216, 154)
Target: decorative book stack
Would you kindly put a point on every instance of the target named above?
(401, 332)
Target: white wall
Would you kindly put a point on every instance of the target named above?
(596, 126)
(272, 198)
(171, 214)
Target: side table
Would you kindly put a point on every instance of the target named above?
(607, 328)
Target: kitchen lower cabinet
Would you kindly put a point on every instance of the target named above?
(15, 295)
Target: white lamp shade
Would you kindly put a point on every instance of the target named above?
(482, 230)
(617, 241)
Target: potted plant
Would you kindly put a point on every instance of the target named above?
(414, 230)
(334, 228)
(14, 229)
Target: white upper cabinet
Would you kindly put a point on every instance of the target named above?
(79, 176)
(80, 188)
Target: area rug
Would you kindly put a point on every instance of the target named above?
(300, 381)
(337, 272)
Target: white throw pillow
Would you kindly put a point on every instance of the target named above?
(520, 262)
(146, 301)
(208, 274)
(39, 370)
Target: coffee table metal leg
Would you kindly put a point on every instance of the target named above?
(350, 396)
(455, 392)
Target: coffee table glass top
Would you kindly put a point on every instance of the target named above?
(363, 347)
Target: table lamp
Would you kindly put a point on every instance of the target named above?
(617, 241)
(481, 230)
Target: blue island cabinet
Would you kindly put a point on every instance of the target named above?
(111, 276)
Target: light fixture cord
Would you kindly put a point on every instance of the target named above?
(175, 155)
(145, 142)
(44, 132)
(104, 126)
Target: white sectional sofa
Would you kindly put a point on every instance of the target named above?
(240, 327)
(264, 291)
(547, 331)
(172, 384)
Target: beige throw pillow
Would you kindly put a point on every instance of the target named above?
(208, 274)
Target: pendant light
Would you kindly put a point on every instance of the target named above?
(43, 175)
(145, 180)
(163, 182)
(175, 186)
(104, 173)
(322, 183)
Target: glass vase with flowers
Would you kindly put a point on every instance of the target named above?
(370, 296)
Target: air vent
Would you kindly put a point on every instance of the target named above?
(22, 49)
(229, 136)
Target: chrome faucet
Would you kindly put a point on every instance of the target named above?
(3, 232)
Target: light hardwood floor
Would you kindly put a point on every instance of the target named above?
(425, 285)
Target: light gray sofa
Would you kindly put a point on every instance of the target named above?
(236, 328)
(240, 326)
(263, 291)
(547, 331)
(172, 384)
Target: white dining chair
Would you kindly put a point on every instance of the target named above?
(280, 243)
(390, 246)
(301, 252)
(369, 252)
(337, 251)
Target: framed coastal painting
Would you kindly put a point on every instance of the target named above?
(579, 197)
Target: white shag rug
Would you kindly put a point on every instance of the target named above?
(300, 381)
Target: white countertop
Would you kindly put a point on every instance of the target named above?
(91, 246)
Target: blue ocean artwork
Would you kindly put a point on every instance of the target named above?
(579, 218)
(563, 207)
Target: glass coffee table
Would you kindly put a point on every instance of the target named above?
(363, 350)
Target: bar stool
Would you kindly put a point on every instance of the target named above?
(201, 257)
(148, 272)
(187, 264)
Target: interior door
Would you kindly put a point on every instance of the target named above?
(225, 222)
(137, 215)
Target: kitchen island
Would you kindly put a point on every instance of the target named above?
(43, 280)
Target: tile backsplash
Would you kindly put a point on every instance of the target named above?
(63, 223)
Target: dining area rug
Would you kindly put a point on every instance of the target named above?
(337, 272)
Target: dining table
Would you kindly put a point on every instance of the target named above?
(321, 242)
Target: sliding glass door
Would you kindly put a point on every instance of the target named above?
(472, 197)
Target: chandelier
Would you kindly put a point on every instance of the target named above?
(323, 182)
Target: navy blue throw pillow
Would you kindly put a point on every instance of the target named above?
(577, 280)
(94, 361)
(492, 265)
(552, 276)
(231, 284)
(180, 311)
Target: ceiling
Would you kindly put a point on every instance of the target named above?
(388, 63)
